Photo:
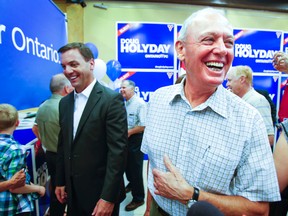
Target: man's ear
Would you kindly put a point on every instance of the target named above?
(242, 79)
(92, 64)
(68, 89)
(179, 47)
(17, 123)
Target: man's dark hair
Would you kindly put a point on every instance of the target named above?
(83, 49)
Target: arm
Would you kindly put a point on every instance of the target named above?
(36, 131)
(173, 186)
(271, 139)
(29, 189)
(280, 155)
(135, 130)
(148, 203)
(141, 118)
(117, 141)
(17, 180)
(60, 191)
(149, 197)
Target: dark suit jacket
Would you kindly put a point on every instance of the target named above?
(92, 165)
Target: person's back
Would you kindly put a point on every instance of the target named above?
(47, 118)
(12, 159)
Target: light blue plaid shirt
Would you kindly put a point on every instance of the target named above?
(220, 146)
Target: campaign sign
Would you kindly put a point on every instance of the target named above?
(268, 83)
(30, 35)
(256, 48)
(285, 43)
(145, 46)
(147, 82)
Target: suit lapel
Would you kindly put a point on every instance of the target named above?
(91, 103)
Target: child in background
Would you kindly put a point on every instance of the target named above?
(18, 201)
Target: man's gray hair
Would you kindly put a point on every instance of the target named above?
(189, 21)
(58, 82)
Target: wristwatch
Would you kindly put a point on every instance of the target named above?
(194, 198)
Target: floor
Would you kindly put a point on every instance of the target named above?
(140, 210)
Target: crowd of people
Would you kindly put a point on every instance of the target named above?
(209, 151)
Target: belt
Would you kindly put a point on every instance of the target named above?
(159, 209)
(162, 212)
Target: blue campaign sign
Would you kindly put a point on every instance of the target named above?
(30, 35)
(285, 42)
(147, 82)
(268, 83)
(256, 48)
(145, 46)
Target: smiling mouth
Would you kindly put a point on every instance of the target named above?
(72, 78)
(215, 66)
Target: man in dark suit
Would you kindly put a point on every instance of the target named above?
(92, 144)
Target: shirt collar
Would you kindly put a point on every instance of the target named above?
(87, 91)
(6, 136)
(131, 99)
(217, 101)
(248, 94)
(56, 96)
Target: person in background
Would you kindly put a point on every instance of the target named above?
(280, 154)
(240, 82)
(93, 139)
(46, 129)
(19, 200)
(136, 115)
(203, 142)
(280, 61)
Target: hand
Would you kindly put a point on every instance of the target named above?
(41, 191)
(61, 194)
(280, 62)
(103, 208)
(18, 179)
(171, 184)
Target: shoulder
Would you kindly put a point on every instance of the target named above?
(165, 92)
(238, 106)
(105, 91)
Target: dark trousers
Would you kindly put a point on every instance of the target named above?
(56, 208)
(76, 208)
(280, 208)
(134, 168)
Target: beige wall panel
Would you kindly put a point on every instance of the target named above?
(75, 14)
